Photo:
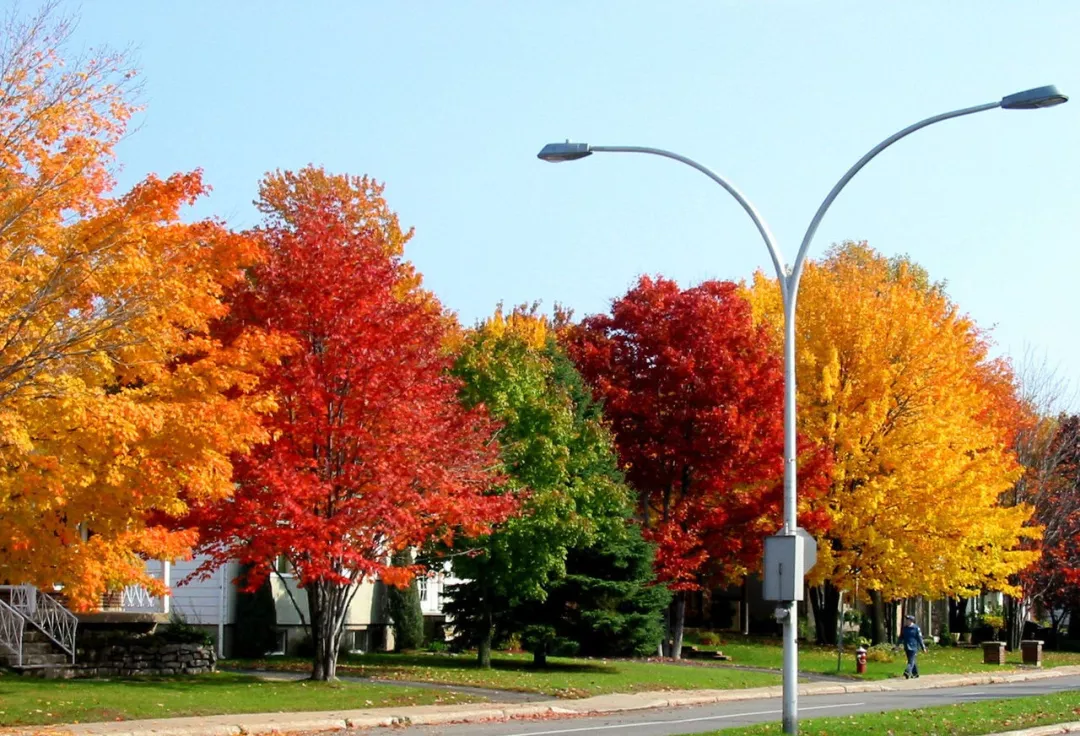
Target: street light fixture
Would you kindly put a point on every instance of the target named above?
(789, 276)
(1032, 99)
(558, 152)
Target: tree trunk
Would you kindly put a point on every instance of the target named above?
(1055, 622)
(1013, 623)
(483, 649)
(665, 642)
(825, 600)
(540, 656)
(958, 615)
(877, 618)
(325, 602)
(744, 611)
(678, 619)
(1074, 622)
(817, 604)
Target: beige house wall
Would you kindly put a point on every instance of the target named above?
(368, 604)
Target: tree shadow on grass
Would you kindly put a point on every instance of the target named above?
(468, 662)
(409, 666)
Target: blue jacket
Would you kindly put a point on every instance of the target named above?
(911, 638)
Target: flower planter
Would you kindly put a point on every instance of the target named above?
(993, 652)
(1032, 652)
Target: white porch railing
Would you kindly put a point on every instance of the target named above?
(57, 622)
(137, 599)
(45, 613)
(11, 631)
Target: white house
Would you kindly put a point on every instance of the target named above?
(211, 604)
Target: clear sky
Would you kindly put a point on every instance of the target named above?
(448, 103)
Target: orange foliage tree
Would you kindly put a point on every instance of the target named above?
(115, 400)
(897, 382)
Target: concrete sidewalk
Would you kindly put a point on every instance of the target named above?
(282, 723)
(1043, 730)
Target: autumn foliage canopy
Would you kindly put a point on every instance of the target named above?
(898, 385)
(292, 392)
(115, 399)
(370, 450)
(694, 392)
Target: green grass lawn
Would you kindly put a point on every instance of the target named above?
(572, 678)
(585, 677)
(939, 660)
(962, 719)
(33, 701)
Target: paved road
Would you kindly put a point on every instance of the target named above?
(674, 721)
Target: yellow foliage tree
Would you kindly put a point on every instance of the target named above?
(899, 385)
(117, 403)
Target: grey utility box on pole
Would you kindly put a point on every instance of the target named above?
(788, 557)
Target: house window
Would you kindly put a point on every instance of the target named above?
(422, 585)
(361, 641)
(282, 645)
(282, 565)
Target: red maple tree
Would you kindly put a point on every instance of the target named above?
(694, 393)
(372, 452)
(1054, 580)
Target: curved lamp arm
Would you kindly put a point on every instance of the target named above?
(1030, 99)
(811, 230)
(762, 227)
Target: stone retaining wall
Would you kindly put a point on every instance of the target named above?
(156, 657)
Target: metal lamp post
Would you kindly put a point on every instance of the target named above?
(789, 276)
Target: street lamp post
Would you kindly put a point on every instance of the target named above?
(789, 276)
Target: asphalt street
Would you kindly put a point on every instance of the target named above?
(701, 719)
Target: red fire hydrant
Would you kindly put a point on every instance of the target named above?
(860, 660)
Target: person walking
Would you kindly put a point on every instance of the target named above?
(912, 641)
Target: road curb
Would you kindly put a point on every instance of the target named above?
(253, 724)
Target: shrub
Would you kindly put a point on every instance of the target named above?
(177, 632)
(1068, 645)
(709, 639)
(181, 632)
(512, 643)
(944, 639)
(405, 611)
(256, 617)
(436, 646)
(852, 639)
(880, 653)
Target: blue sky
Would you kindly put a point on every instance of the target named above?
(448, 103)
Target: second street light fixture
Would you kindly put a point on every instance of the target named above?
(794, 552)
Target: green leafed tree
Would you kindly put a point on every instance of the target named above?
(256, 620)
(575, 509)
(405, 611)
(606, 605)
